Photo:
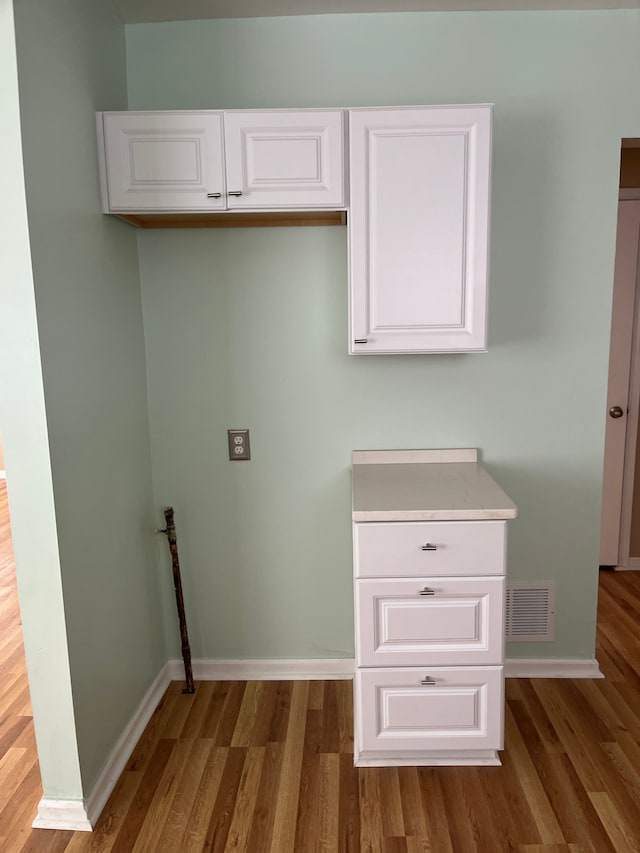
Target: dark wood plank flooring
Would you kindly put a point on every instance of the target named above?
(267, 767)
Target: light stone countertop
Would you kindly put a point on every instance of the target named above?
(418, 486)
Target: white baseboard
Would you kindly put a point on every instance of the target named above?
(127, 741)
(82, 815)
(78, 815)
(552, 668)
(436, 758)
(62, 814)
(212, 669)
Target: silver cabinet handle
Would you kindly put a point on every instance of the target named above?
(361, 341)
(214, 195)
(426, 680)
(428, 547)
(235, 192)
(426, 591)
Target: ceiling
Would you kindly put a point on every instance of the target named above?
(151, 11)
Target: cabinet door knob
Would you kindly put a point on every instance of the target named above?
(426, 680)
(235, 192)
(428, 547)
(615, 412)
(214, 195)
(426, 591)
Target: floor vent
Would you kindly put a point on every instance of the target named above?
(531, 610)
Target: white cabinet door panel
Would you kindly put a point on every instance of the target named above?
(461, 709)
(163, 161)
(419, 228)
(430, 621)
(423, 548)
(284, 159)
(413, 239)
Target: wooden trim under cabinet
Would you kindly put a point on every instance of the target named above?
(273, 219)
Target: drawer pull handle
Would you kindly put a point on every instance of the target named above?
(427, 681)
(428, 547)
(214, 195)
(427, 591)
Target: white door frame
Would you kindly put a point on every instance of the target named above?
(624, 376)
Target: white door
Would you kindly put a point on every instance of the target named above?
(288, 159)
(621, 425)
(418, 228)
(163, 161)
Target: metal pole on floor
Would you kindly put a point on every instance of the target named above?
(170, 532)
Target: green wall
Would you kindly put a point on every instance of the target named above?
(71, 61)
(24, 430)
(247, 328)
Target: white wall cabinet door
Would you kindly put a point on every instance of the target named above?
(164, 161)
(205, 160)
(418, 225)
(284, 159)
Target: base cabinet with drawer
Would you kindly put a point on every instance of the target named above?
(429, 536)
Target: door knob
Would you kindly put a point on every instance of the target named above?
(615, 412)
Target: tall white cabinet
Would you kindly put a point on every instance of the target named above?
(418, 228)
(429, 538)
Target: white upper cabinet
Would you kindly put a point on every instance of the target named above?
(418, 206)
(163, 161)
(204, 161)
(284, 159)
(418, 228)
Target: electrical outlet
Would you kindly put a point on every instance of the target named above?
(239, 448)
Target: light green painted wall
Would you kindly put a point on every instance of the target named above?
(252, 332)
(24, 429)
(71, 58)
(248, 328)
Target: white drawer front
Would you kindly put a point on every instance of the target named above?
(430, 621)
(463, 709)
(422, 548)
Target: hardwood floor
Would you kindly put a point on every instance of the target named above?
(20, 788)
(267, 767)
